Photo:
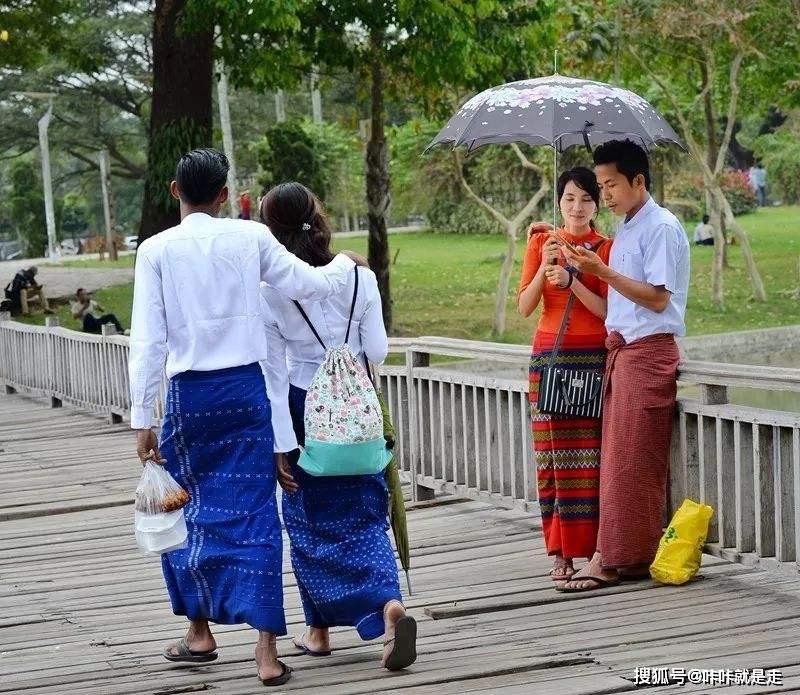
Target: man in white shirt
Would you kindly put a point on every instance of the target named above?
(758, 182)
(196, 309)
(85, 309)
(704, 233)
(648, 278)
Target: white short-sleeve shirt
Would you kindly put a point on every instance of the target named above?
(651, 247)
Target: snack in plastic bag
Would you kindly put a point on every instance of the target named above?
(158, 492)
(159, 524)
(681, 547)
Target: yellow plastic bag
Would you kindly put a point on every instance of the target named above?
(681, 547)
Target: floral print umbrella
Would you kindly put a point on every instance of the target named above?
(556, 111)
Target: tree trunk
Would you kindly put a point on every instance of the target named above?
(377, 175)
(759, 293)
(710, 120)
(503, 282)
(180, 113)
(717, 277)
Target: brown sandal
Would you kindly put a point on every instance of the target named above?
(562, 577)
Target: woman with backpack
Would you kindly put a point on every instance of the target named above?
(337, 524)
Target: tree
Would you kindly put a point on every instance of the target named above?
(26, 207)
(287, 153)
(706, 58)
(411, 50)
(94, 59)
(181, 109)
(512, 226)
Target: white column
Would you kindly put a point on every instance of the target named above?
(227, 138)
(47, 183)
(316, 97)
(280, 106)
(105, 187)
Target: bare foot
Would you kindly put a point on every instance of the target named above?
(562, 569)
(392, 612)
(582, 579)
(267, 656)
(314, 639)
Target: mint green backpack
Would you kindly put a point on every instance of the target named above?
(343, 416)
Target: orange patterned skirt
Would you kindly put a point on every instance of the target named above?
(567, 453)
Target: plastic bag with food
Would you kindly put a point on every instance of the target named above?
(158, 492)
(159, 524)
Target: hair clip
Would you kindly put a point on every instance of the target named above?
(306, 226)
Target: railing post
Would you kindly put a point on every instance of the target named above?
(7, 388)
(414, 360)
(106, 330)
(51, 322)
(712, 394)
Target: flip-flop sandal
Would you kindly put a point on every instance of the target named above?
(404, 649)
(303, 647)
(600, 583)
(183, 653)
(561, 577)
(285, 675)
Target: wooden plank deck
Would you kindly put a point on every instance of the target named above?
(81, 611)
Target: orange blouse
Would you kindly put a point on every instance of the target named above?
(554, 299)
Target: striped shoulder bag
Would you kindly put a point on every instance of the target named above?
(572, 391)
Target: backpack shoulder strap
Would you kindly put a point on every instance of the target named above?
(352, 307)
(310, 325)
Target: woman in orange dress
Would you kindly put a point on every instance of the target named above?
(567, 449)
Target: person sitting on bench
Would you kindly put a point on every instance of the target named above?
(23, 288)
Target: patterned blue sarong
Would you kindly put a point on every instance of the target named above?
(218, 442)
(342, 558)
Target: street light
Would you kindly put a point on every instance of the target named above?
(47, 179)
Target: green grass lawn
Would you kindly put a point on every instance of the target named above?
(444, 284)
(126, 261)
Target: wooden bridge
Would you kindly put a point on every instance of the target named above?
(84, 612)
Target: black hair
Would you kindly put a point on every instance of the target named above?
(297, 219)
(629, 158)
(706, 218)
(201, 174)
(78, 291)
(584, 179)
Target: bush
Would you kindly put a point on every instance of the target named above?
(737, 190)
(686, 193)
(287, 153)
(780, 153)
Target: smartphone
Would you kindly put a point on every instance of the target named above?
(562, 241)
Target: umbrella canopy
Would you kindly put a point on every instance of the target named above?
(556, 111)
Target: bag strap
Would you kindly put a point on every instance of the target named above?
(310, 325)
(568, 309)
(352, 308)
(349, 320)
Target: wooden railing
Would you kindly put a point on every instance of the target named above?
(463, 427)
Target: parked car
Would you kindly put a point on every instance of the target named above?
(131, 242)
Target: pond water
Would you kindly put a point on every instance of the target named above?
(773, 400)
